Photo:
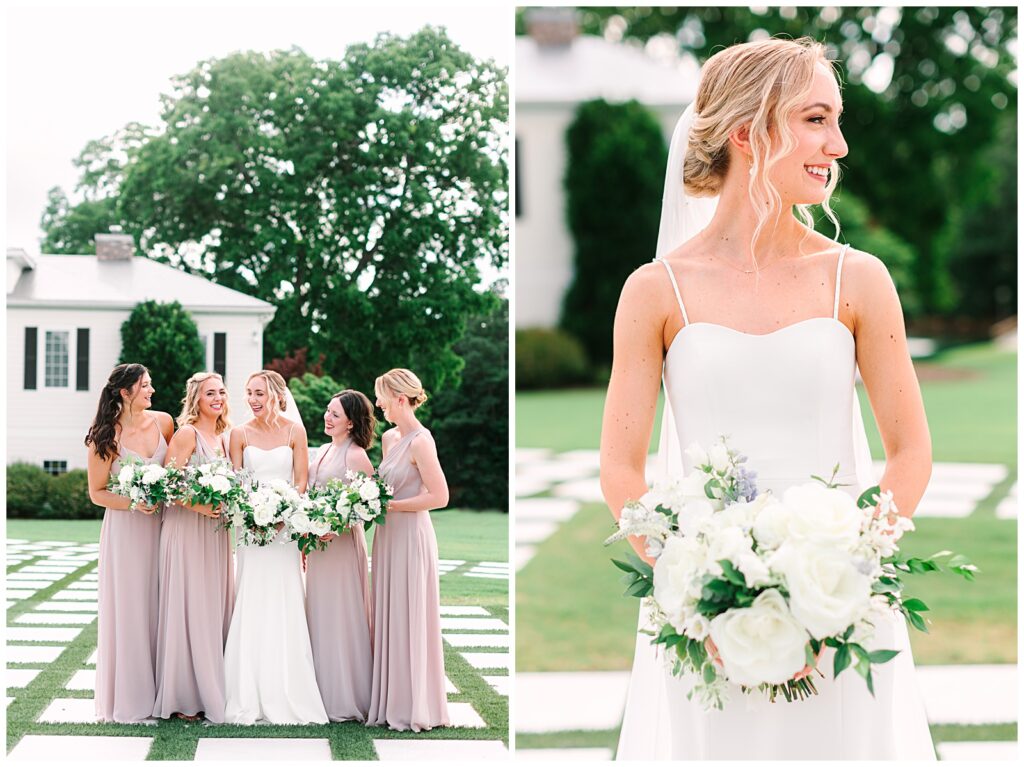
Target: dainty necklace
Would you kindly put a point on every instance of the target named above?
(746, 271)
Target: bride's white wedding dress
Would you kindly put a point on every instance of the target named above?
(268, 659)
(785, 400)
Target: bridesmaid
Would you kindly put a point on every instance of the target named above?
(408, 689)
(129, 546)
(197, 584)
(337, 587)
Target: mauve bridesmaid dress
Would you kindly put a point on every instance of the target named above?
(127, 607)
(408, 691)
(197, 591)
(338, 606)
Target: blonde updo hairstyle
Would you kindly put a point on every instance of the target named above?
(277, 400)
(190, 402)
(400, 381)
(759, 84)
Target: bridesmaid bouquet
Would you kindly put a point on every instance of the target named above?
(149, 484)
(360, 498)
(217, 484)
(265, 506)
(314, 518)
(749, 589)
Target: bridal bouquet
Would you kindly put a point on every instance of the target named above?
(149, 484)
(749, 588)
(265, 506)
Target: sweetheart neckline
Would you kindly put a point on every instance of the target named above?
(266, 449)
(831, 320)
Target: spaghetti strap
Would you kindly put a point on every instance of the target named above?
(290, 428)
(245, 437)
(675, 288)
(839, 280)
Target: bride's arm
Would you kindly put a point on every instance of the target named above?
(890, 380)
(300, 457)
(632, 398)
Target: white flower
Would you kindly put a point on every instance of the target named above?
(320, 527)
(124, 477)
(760, 643)
(822, 515)
(676, 574)
(719, 455)
(153, 473)
(205, 480)
(771, 525)
(374, 504)
(342, 505)
(826, 590)
(220, 483)
(238, 518)
(692, 486)
(695, 516)
(369, 491)
(697, 455)
(697, 626)
(300, 523)
(263, 513)
(362, 511)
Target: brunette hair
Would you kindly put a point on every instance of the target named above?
(102, 435)
(359, 410)
(190, 402)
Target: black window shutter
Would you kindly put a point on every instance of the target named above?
(82, 360)
(31, 355)
(220, 354)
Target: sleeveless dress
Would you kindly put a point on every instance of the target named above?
(408, 690)
(197, 591)
(127, 607)
(268, 661)
(338, 606)
(784, 399)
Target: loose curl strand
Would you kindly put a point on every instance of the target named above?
(102, 435)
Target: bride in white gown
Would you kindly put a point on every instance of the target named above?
(268, 659)
(756, 325)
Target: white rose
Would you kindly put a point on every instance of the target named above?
(697, 626)
(826, 590)
(320, 527)
(719, 455)
(822, 515)
(375, 505)
(697, 455)
(300, 523)
(238, 518)
(362, 511)
(342, 505)
(692, 485)
(124, 477)
(205, 480)
(220, 483)
(369, 491)
(771, 525)
(760, 643)
(263, 514)
(676, 572)
(153, 473)
(221, 470)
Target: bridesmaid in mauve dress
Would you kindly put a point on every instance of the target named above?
(337, 586)
(197, 582)
(408, 689)
(129, 546)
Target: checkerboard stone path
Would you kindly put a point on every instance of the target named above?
(52, 596)
(551, 487)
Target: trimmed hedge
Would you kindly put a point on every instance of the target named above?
(34, 494)
(547, 358)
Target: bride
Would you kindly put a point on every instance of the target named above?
(268, 659)
(756, 325)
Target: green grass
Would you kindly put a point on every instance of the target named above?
(571, 615)
(472, 536)
(973, 418)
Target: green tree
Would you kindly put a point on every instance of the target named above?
(165, 339)
(915, 156)
(470, 422)
(312, 393)
(614, 181)
(359, 196)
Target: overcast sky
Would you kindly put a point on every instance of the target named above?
(78, 74)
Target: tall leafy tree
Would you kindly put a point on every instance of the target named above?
(359, 196)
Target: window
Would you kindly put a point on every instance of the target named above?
(220, 353)
(55, 467)
(519, 185)
(31, 354)
(56, 365)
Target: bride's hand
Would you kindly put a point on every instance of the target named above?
(328, 537)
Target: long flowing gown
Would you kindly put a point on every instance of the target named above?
(127, 607)
(785, 400)
(268, 661)
(197, 590)
(408, 656)
(338, 606)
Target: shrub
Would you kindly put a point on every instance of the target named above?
(548, 358)
(28, 488)
(69, 498)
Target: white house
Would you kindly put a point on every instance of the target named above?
(556, 70)
(64, 316)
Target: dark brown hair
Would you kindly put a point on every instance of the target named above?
(102, 434)
(360, 412)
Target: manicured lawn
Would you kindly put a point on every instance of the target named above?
(972, 415)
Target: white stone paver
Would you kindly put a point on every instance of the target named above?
(263, 749)
(971, 751)
(40, 634)
(449, 687)
(977, 694)
(463, 610)
(527, 485)
(559, 755)
(91, 660)
(1007, 508)
(525, 455)
(464, 715)
(58, 570)
(560, 701)
(545, 509)
(82, 680)
(33, 617)
(19, 593)
(487, 659)
(69, 749)
(586, 490)
(70, 607)
(20, 677)
(534, 531)
(32, 653)
(75, 711)
(441, 750)
(523, 555)
(81, 585)
(76, 595)
(500, 684)
(478, 624)
(476, 640)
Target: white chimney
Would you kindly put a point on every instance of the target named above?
(114, 247)
(552, 27)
